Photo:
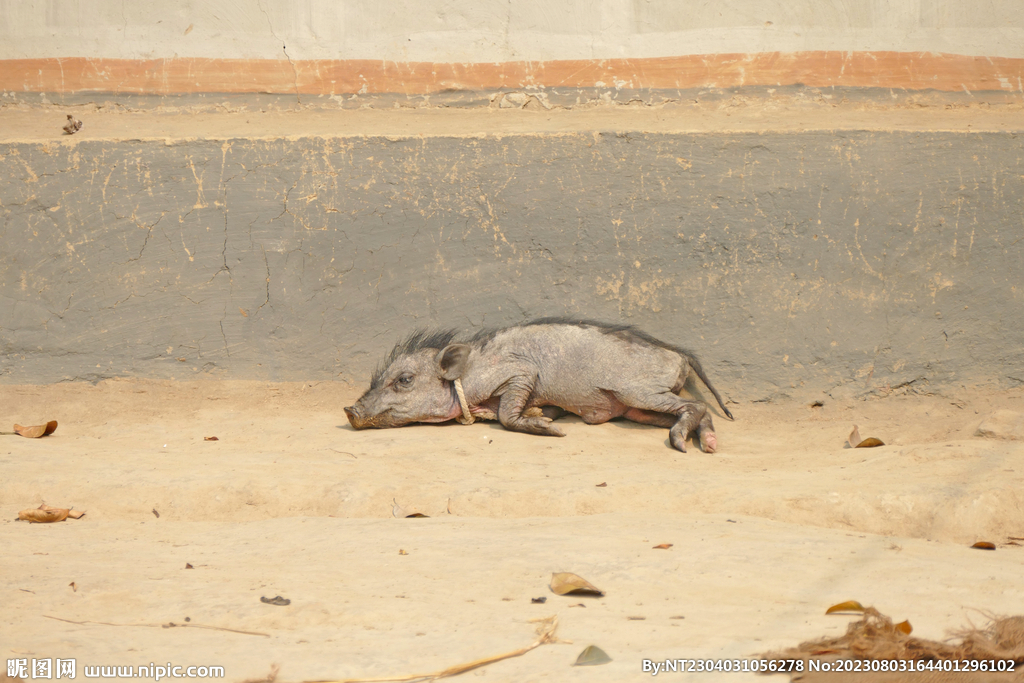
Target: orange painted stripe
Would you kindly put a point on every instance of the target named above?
(901, 70)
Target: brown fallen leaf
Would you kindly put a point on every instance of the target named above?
(155, 513)
(36, 431)
(188, 565)
(44, 514)
(602, 485)
(72, 126)
(848, 606)
(276, 600)
(592, 655)
(399, 511)
(663, 546)
(76, 514)
(210, 438)
(74, 588)
(567, 583)
(904, 627)
(856, 442)
(984, 545)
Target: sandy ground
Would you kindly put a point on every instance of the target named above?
(780, 524)
(23, 123)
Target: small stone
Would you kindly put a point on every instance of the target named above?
(514, 100)
(1002, 424)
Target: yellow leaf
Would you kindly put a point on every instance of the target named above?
(44, 515)
(904, 627)
(567, 583)
(848, 606)
(36, 431)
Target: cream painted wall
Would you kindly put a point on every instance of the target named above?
(500, 30)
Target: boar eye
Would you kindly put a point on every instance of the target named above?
(403, 382)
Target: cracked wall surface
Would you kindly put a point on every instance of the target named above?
(488, 31)
(787, 261)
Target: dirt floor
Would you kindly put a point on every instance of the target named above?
(104, 120)
(290, 501)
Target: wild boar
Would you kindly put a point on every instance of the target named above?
(527, 374)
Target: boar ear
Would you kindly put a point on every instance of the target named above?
(453, 360)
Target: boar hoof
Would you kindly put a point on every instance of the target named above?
(708, 442)
(678, 440)
(541, 426)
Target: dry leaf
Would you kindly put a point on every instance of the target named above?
(44, 514)
(567, 583)
(848, 606)
(276, 600)
(663, 546)
(592, 655)
(210, 438)
(856, 442)
(36, 431)
(72, 126)
(602, 485)
(399, 511)
(188, 565)
(76, 514)
(984, 545)
(402, 552)
(156, 513)
(74, 588)
(904, 627)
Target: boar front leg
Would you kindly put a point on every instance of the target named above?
(511, 408)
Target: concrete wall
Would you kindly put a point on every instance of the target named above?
(831, 257)
(333, 48)
(790, 261)
(498, 31)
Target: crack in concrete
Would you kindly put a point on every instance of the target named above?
(267, 264)
(284, 49)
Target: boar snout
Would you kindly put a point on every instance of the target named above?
(354, 418)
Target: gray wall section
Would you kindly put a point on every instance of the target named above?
(789, 262)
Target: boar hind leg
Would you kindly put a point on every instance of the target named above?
(681, 416)
(513, 415)
(650, 417)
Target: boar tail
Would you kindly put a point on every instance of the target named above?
(695, 365)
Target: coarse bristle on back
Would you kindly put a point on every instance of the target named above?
(417, 341)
